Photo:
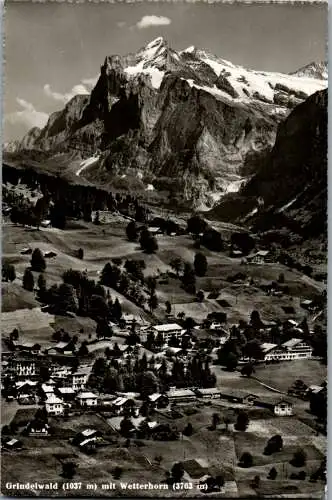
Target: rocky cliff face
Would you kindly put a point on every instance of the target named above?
(186, 120)
(291, 183)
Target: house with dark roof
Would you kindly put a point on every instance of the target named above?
(125, 405)
(11, 444)
(36, 428)
(233, 396)
(66, 393)
(87, 436)
(158, 400)
(281, 407)
(195, 469)
(27, 347)
(27, 392)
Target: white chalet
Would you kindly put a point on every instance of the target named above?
(78, 379)
(292, 349)
(180, 395)
(298, 349)
(23, 366)
(209, 393)
(54, 405)
(283, 408)
(168, 330)
(87, 399)
(47, 390)
(259, 257)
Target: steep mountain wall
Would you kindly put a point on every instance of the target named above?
(291, 184)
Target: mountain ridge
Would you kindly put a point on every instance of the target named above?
(186, 120)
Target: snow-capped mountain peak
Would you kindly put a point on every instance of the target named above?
(223, 79)
(189, 50)
(219, 77)
(157, 42)
(317, 70)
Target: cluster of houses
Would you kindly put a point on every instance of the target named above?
(279, 407)
(67, 389)
(64, 387)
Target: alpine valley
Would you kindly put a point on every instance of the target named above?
(164, 276)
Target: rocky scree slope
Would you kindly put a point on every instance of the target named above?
(187, 121)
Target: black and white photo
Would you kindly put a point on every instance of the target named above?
(164, 250)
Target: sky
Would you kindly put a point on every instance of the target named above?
(55, 50)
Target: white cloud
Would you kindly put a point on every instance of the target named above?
(149, 21)
(64, 98)
(121, 24)
(90, 82)
(79, 89)
(27, 117)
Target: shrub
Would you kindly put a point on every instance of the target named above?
(272, 474)
(247, 370)
(177, 471)
(274, 445)
(69, 470)
(242, 421)
(256, 482)
(188, 430)
(117, 472)
(299, 459)
(246, 460)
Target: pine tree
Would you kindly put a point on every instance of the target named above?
(8, 272)
(28, 280)
(66, 299)
(148, 242)
(200, 264)
(42, 290)
(153, 302)
(117, 310)
(189, 279)
(131, 231)
(38, 262)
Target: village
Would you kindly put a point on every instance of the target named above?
(133, 362)
(57, 387)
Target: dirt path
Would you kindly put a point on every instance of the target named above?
(273, 389)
